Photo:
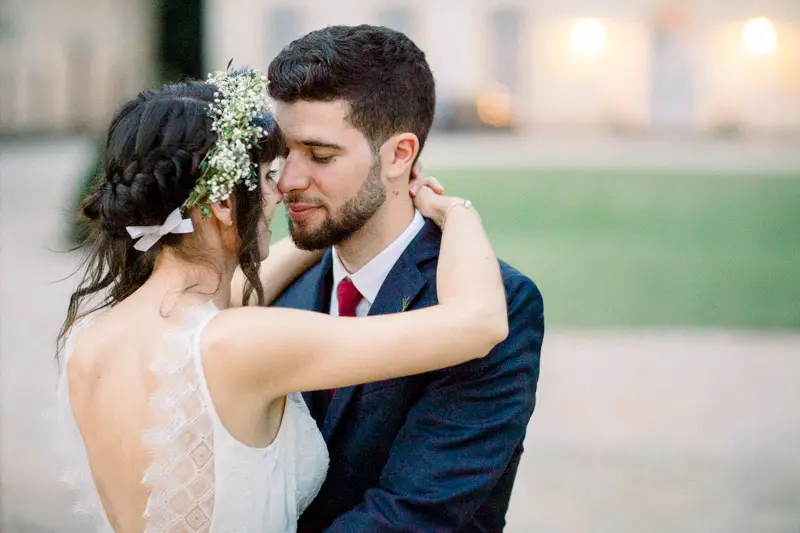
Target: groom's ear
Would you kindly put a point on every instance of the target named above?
(400, 152)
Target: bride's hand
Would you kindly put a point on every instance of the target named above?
(429, 197)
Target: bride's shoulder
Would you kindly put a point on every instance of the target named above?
(85, 320)
(79, 326)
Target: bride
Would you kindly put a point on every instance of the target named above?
(181, 406)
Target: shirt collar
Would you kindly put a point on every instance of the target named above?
(370, 277)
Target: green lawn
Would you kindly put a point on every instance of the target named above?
(645, 249)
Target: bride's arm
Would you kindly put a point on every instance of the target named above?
(284, 264)
(284, 350)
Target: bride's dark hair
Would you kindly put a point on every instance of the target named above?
(153, 152)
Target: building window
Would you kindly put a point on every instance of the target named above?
(6, 28)
(506, 43)
(671, 72)
(283, 27)
(81, 87)
(396, 18)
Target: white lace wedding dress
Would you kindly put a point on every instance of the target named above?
(201, 478)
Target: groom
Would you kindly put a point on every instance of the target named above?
(434, 452)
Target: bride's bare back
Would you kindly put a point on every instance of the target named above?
(111, 383)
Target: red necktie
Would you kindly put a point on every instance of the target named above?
(348, 297)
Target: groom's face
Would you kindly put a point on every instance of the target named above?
(331, 180)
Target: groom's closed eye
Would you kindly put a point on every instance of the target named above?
(319, 152)
(321, 159)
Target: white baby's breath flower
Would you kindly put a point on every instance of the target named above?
(239, 98)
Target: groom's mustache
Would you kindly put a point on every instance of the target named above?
(299, 200)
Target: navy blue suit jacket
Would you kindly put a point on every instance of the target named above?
(432, 452)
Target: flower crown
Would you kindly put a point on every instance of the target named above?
(242, 116)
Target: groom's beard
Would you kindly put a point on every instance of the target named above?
(350, 218)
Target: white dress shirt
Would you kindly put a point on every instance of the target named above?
(370, 277)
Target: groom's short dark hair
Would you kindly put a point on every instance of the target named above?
(380, 72)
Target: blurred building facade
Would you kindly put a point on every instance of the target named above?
(66, 65)
(636, 65)
(699, 65)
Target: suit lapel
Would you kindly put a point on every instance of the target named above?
(313, 290)
(400, 290)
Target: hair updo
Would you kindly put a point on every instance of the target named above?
(154, 148)
(155, 145)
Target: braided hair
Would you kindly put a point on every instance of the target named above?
(154, 148)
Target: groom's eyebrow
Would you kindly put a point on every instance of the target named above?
(321, 144)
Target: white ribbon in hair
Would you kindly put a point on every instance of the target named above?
(149, 235)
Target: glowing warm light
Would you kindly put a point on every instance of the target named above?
(588, 37)
(759, 37)
(494, 107)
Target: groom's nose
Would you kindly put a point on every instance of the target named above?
(293, 176)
